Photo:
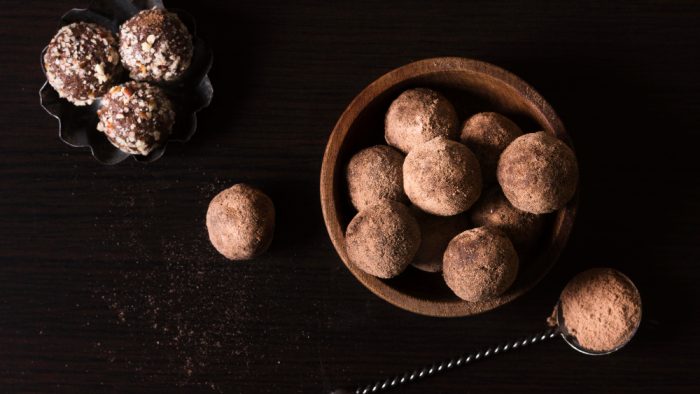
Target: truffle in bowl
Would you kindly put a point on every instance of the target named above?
(472, 87)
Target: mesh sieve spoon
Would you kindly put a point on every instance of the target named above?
(446, 365)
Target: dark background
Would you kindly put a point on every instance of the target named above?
(108, 282)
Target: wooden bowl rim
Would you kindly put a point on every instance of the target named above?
(563, 221)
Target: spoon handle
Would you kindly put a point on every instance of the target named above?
(446, 365)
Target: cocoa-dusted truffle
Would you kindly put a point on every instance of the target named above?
(418, 116)
(487, 134)
(538, 173)
(381, 240)
(480, 263)
(436, 231)
(375, 174)
(136, 117)
(241, 222)
(442, 177)
(82, 62)
(601, 309)
(155, 46)
(494, 210)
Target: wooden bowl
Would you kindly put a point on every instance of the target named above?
(472, 86)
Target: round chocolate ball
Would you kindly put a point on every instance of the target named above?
(479, 264)
(487, 134)
(375, 174)
(418, 116)
(155, 46)
(81, 62)
(383, 239)
(241, 222)
(437, 232)
(136, 117)
(538, 173)
(442, 177)
(494, 210)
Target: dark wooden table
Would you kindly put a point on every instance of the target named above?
(108, 282)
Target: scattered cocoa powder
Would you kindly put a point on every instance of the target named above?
(184, 315)
(601, 308)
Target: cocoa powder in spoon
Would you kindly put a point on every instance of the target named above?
(601, 309)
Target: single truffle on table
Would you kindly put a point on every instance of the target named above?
(442, 177)
(493, 209)
(375, 174)
(383, 239)
(241, 222)
(437, 232)
(487, 134)
(538, 173)
(479, 264)
(155, 46)
(417, 116)
(81, 62)
(136, 117)
(601, 308)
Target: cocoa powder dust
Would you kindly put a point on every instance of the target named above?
(602, 309)
(182, 309)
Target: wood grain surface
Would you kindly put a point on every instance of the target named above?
(108, 283)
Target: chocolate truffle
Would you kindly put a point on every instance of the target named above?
(241, 222)
(155, 46)
(494, 210)
(136, 117)
(601, 309)
(381, 240)
(436, 231)
(487, 134)
(479, 264)
(538, 173)
(442, 177)
(418, 116)
(82, 62)
(375, 174)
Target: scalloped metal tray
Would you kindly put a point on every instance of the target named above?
(77, 126)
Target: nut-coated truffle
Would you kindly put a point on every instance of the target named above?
(375, 174)
(493, 209)
(241, 222)
(442, 177)
(601, 308)
(437, 232)
(479, 264)
(538, 173)
(487, 134)
(81, 62)
(417, 116)
(136, 117)
(155, 46)
(383, 239)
